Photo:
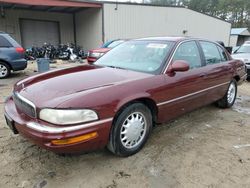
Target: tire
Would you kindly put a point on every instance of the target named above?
(229, 98)
(129, 133)
(4, 70)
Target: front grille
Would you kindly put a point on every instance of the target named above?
(91, 54)
(94, 54)
(24, 105)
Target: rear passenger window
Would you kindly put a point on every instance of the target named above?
(189, 52)
(222, 54)
(4, 42)
(211, 53)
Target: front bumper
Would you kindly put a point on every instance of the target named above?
(91, 59)
(248, 73)
(42, 133)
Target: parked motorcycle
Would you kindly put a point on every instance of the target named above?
(64, 52)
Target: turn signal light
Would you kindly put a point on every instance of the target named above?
(75, 139)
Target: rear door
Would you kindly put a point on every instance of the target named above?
(184, 91)
(218, 69)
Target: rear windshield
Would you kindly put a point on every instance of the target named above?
(4, 43)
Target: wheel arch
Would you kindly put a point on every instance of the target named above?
(1, 60)
(147, 101)
(237, 78)
(113, 145)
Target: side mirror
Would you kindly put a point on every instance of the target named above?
(178, 66)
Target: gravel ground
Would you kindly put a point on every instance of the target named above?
(209, 147)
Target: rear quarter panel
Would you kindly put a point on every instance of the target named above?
(239, 69)
(10, 54)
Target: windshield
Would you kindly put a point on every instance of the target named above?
(142, 56)
(244, 49)
(105, 45)
(115, 43)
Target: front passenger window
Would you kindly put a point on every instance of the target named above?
(189, 52)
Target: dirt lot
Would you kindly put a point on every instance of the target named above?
(209, 147)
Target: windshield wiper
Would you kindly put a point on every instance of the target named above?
(114, 67)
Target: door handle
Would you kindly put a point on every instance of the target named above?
(203, 75)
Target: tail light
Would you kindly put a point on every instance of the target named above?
(20, 50)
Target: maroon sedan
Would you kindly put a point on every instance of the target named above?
(117, 101)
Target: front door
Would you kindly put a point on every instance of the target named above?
(184, 91)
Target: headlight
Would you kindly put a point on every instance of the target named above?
(65, 117)
(96, 54)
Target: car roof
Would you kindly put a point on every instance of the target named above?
(174, 38)
(6, 35)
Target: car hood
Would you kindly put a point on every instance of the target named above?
(241, 56)
(52, 88)
(100, 50)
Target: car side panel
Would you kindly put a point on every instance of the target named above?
(239, 69)
(11, 56)
(19, 64)
(218, 78)
(15, 60)
(182, 93)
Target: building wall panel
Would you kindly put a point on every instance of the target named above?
(233, 40)
(133, 21)
(89, 28)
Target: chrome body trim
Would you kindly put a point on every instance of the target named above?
(57, 130)
(191, 94)
(244, 76)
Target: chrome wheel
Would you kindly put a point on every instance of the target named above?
(3, 71)
(133, 130)
(231, 93)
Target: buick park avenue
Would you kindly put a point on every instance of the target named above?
(116, 101)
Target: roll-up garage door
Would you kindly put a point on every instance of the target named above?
(38, 32)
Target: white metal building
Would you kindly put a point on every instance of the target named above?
(88, 24)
